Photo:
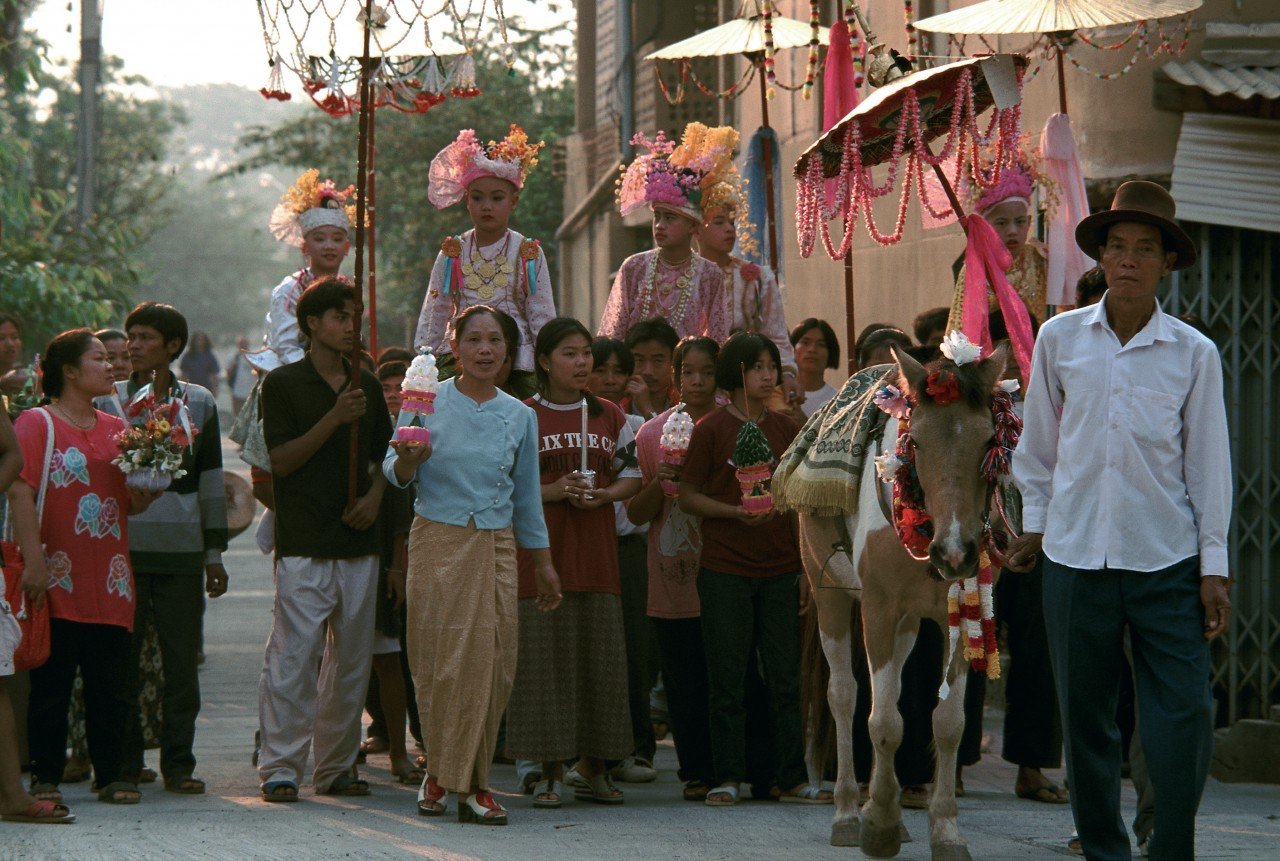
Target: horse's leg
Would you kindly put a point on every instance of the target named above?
(889, 640)
(835, 621)
(945, 841)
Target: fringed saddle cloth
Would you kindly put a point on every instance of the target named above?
(821, 472)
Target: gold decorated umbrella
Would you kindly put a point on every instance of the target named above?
(746, 35)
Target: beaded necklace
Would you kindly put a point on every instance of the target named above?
(683, 284)
(490, 275)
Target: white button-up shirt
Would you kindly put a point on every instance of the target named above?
(1124, 460)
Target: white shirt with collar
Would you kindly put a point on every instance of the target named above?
(1124, 459)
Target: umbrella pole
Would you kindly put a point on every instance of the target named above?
(1062, 79)
(373, 234)
(362, 163)
(850, 328)
(770, 203)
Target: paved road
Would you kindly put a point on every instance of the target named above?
(1238, 822)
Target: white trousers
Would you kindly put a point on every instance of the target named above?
(316, 669)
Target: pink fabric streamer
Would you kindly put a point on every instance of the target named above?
(1066, 261)
(985, 261)
(839, 92)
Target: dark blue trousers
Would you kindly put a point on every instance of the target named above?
(1085, 616)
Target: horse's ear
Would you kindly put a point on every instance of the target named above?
(912, 372)
(993, 366)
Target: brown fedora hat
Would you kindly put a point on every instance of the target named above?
(1144, 202)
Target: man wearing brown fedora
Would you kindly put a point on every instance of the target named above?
(1125, 475)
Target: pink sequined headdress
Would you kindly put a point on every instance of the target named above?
(678, 178)
(1015, 184)
(466, 160)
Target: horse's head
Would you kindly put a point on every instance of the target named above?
(952, 428)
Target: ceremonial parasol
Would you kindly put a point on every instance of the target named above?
(894, 126)
(315, 39)
(1056, 22)
(755, 33)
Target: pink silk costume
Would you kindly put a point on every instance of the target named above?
(705, 311)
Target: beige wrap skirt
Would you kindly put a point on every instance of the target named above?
(461, 638)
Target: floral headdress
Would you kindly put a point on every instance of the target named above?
(465, 160)
(309, 204)
(1017, 181)
(684, 179)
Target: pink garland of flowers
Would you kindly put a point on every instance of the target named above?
(856, 192)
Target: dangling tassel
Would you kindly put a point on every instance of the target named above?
(275, 82)
(953, 635)
(529, 254)
(463, 77)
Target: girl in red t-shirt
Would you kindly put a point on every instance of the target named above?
(570, 694)
(748, 585)
(77, 558)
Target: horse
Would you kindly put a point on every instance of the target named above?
(859, 559)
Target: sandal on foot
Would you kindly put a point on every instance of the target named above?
(280, 791)
(599, 789)
(724, 795)
(1045, 794)
(915, 797)
(373, 744)
(409, 775)
(433, 799)
(184, 785)
(548, 797)
(147, 775)
(42, 813)
(46, 792)
(807, 794)
(120, 792)
(482, 809)
(696, 790)
(347, 785)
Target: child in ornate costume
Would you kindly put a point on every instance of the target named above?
(672, 281)
(755, 301)
(1007, 206)
(490, 264)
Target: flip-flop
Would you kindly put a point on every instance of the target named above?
(46, 792)
(915, 797)
(695, 790)
(1045, 794)
(727, 789)
(599, 789)
(111, 793)
(808, 794)
(410, 775)
(553, 792)
(280, 791)
(185, 786)
(42, 813)
(345, 784)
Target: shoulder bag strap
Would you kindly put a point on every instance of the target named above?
(48, 458)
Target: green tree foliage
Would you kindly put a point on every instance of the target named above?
(538, 96)
(56, 273)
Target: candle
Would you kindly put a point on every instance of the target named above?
(584, 433)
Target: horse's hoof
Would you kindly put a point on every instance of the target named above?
(950, 852)
(880, 841)
(845, 833)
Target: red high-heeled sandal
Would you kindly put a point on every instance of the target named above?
(482, 809)
(433, 799)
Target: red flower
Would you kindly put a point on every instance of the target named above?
(750, 272)
(943, 387)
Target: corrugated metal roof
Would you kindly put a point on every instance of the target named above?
(1226, 171)
(1243, 83)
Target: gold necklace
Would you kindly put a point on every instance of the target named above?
(683, 284)
(490, 275)
(69, 419)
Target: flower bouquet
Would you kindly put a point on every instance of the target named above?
(151, 447)
(676, 432)
(754, 461)
(418, 396)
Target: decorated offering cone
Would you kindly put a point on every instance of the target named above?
(418, 390)
(754, 460)
(676, 432)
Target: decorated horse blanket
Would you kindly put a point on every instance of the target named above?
(821, 471)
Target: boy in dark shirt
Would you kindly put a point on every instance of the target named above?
(327, 554)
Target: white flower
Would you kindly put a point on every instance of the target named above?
(1010, 386)
(887, 466)
(959, 348)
